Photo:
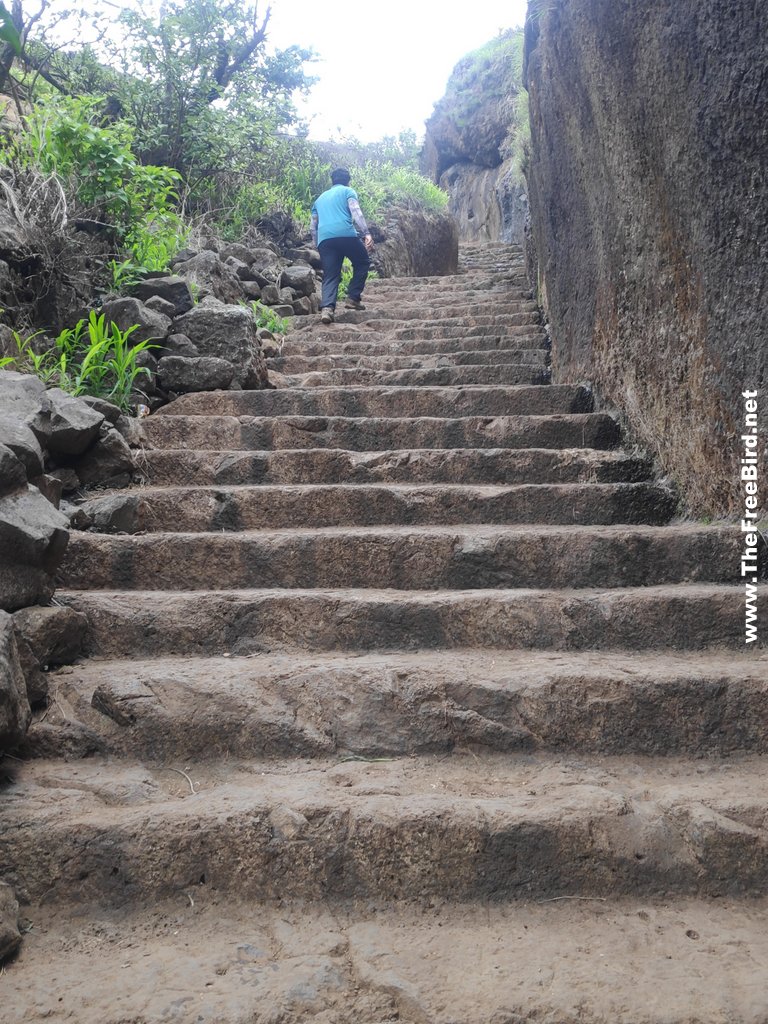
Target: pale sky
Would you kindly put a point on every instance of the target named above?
(381, 66)
(384, 65)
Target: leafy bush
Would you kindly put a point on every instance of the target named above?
(102, 177)
(383, 185)
(88, 359)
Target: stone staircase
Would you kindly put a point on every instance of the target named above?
(407, 701)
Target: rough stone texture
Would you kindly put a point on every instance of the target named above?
(73, 424)
(14, 706)
(270, 294)
(128, 312)
(162, 306)
(205, 373)
(33, 538)
(18, 438)
(648, 186)
(13, 473)
(174, 289)
(227, 332)
(301, 280)
(10, 936)
(179, 345)
(108, 461)
(464, 147)
(212, 276)
(415, 244)
(46, 637)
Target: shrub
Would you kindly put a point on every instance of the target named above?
(88, 359)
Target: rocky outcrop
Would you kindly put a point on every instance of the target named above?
(648, 187)
(415, 243)
(468, 143)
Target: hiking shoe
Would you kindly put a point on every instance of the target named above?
(326, 316)
(353, 304)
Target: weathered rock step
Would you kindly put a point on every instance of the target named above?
(262, 506)
(505, 466)
(405, 558)
(371, 705)
(532, 358)
(414, 320)
(473, 400)
(578, 430)
(469, 302)
(370, 343)
(677, 617)
(499, 827)
(529, 962)
(437, 376)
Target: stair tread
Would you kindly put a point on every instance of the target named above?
(679, 959)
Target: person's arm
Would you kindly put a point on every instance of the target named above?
(359, 221)
(313, 227)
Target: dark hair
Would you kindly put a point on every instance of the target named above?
(340, 176)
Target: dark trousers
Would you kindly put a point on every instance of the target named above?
(332, 253)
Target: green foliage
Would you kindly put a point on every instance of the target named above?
(383, 185)
(266, 317)
(202, 91)
(8, 32)
(92, 358)
(102, 176)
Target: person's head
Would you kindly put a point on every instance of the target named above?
(340, 176)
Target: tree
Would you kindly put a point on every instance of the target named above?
(200, 86)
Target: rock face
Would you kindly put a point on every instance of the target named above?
(417, 244)
(649, 216)
(466, 148)
(228, 333)
(14, 705)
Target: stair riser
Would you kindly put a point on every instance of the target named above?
(410, 562)
(442, 376)
(480, 401)
(324, 710)
(245, 623)
(373, 851)
(425, 466)
(533, 359)
(591, 430)
(371, 345)
(264, 507)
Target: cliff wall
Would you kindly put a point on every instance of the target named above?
(648, 191)
(469, 142)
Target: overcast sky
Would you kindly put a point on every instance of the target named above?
(384, 65)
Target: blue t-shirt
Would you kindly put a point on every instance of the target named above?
(333, 217)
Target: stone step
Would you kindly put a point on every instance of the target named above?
(427, 465)
(450, 329)
(171, 709)
(469, 303)
(300, 343)
(630, 961)
(158, 623)
(256, 433)
(491, 827)
(533, 359)
(261, 506)
(404, 558)
(436, 376)
(476, 400)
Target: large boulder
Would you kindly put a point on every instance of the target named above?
(172, 289)
(13, 473)
(33, 539)
(211, 276)
(415, 243)
(109, 462)
(300, 279)
(202, 373)
(62, 424)
(47, 637)
(19, 439)
(226, 332)
(15, 713)
(129, 312)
